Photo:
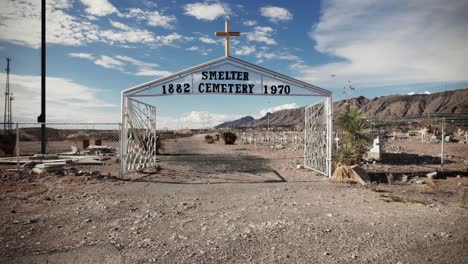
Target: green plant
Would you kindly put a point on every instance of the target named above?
(372, 186)
(394, 199)
(390, 178)
(209, 139)
(355, 137)
(398, 199)
(229, 137)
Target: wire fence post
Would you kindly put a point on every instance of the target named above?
(17, 148)
(442, 146)
(121, 152)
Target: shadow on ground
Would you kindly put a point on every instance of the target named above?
(194, 168)
(406, 159)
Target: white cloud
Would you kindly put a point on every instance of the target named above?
(262, 34)
(82, 55)
(151, 72)
(169, 39)
(202, 50)
(99, 7)
(195, 119)
(108, 62)
(208, 40)
(245, 50)
(250, 23)
(263, 112)
(124, 64)
(20, 24)
(206, 11)
(67, 101)
(427, 92)
(192, 48)
(153, 18)
(276, 14)
(144, 68)
(265, 55)
(388, 43)
(136, 62)
(411, 93)
(119, 25)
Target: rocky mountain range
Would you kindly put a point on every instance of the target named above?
(390, 107)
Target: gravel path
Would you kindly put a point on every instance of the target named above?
(214, 216)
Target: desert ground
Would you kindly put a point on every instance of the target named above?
(214, 203)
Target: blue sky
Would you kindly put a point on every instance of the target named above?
(97, 48)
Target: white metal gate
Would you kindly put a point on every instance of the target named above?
(139, 137)
(317, 151)
(138, 148)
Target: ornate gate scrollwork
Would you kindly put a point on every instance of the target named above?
(315, 135)
(139, 136)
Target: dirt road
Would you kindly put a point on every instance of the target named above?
(229, 204)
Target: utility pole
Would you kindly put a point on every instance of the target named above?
(7, 116)
(42, 118)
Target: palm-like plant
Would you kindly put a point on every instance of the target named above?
(355, 136)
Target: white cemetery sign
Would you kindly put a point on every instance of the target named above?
(226, 76)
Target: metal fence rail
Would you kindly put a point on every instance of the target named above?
(77, 144)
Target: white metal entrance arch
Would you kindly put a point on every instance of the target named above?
(230, 76)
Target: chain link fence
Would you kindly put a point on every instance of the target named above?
(423, 144)
(80, 145)
(274, 140)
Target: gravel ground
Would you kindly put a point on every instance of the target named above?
(229, 204)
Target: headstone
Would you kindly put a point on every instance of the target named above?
(374, 152)
(432, 175)
(404, 178)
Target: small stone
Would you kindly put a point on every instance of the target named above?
(420, 181)
(330, 215)
(326, 254)
(33, 220)
(458, 176)
(87, 220)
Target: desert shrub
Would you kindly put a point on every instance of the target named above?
(390, 178)
(355, 137)
(229, 137)
(372, 186)
(209, 139)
